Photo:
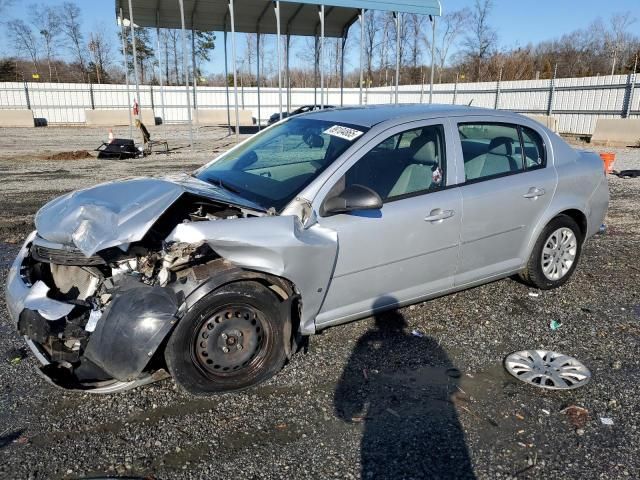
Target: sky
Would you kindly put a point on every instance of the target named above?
(517, 22)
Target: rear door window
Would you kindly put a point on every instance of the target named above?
(490, 150)
(534, 154)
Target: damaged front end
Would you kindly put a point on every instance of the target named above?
(95, 322)
(97, 292)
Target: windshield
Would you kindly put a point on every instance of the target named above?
(272, 167)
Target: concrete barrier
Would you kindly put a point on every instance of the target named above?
(550, 122)
(16, 118)
(617, 132)
(212, 117)
(116, 118)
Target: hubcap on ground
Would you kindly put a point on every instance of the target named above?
(229, 340)
(547, 369)
(559, 253)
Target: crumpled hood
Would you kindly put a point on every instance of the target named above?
(118, 213)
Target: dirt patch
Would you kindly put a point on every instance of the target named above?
(73, 155)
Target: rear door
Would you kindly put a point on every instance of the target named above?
(509, 181)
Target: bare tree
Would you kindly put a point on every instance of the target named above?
(481, 39)
(250, 55)
(415, 28)
(370, 38)
(70, 18)
(48, 24)
(449, 29)
(617, 40)
(100, 49)
(24, 40)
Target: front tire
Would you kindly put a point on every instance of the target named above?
(230, 340)
(555, 254)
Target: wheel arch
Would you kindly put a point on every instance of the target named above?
(220, 273)
(573, 211)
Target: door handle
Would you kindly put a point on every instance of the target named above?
(437, 215)
(534, 192)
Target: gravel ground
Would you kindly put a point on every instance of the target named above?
(368, 399)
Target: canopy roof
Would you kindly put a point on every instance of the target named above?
(298, 17)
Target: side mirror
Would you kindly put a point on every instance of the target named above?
(354, 197)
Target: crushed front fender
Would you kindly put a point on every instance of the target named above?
(277, 245)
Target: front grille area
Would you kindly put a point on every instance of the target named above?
(64, 257)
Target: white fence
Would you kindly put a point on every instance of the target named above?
(576, 102)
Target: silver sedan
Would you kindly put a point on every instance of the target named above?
(327, 217)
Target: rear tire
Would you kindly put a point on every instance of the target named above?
(555, 255)
(230, 340)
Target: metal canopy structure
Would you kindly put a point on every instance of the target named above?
(317, 18)
(300, 17)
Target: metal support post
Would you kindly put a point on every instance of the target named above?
(279, 55)
(126, 72)
(455, 89)
(632, 81)
(287, 71)
(135, 60)
(258, 73)
(344, 41)
(552, 90)
(361, 19)
(226, 78)
(396, 16)
(26, 95)
(316, 62)
(184, 68)
(321, 66)
(235, 69)
(194, 71)
(91, 99)
(497, 103)
(164, 118)
(433, 56)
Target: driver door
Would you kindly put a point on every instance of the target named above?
(409, 248)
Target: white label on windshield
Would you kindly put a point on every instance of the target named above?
(343, 132)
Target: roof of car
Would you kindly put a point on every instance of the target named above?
(370, 115)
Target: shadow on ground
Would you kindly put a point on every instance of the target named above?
(399, 386)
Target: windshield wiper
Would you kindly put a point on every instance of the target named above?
(224, 185)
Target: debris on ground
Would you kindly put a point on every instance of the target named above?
(627, 173)
(16, 355)
(21, 440)
(578, 416)
(393, 412)
(453, 372)
(545, 411)
(417, 333)
(603, 229)
(547, 369)
(72, 155)
(534, 294)
(606, 420)
(555, 325)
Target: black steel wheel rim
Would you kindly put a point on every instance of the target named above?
(231, 339)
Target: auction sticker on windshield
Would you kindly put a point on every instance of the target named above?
(345, 133)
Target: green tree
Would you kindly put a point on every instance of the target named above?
(205, 43)
(144, 50)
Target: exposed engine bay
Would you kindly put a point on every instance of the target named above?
(149, 281)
